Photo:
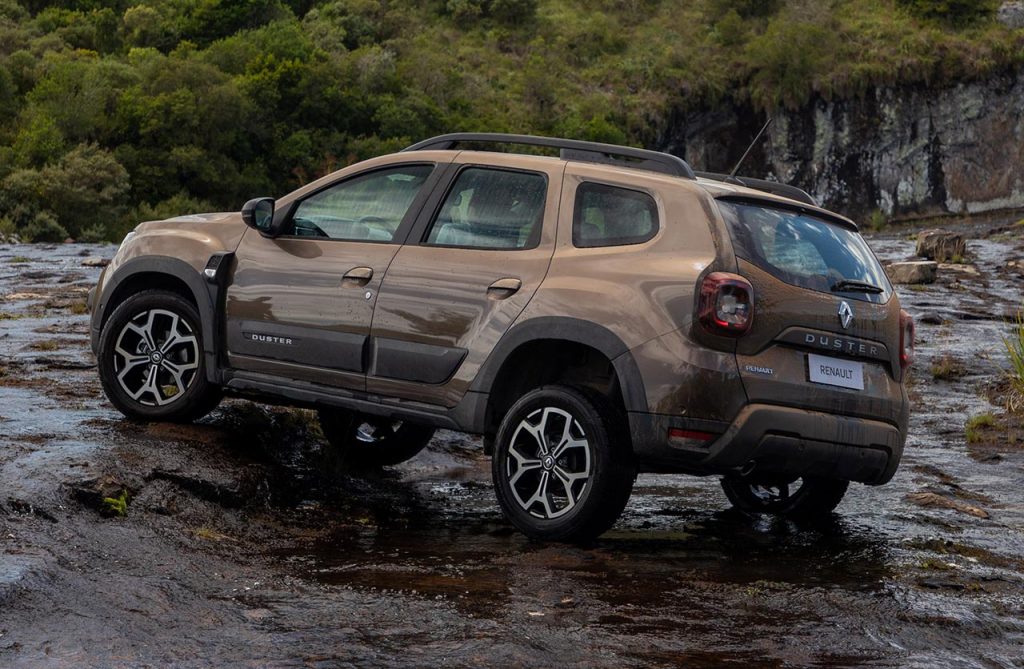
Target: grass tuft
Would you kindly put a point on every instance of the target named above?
(1015, 351)
(948, 368)
(977, 424)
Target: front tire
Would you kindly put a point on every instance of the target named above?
(563, 468)
(151, 361)
(368, 442)
(803, 498)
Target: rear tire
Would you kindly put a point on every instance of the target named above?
(362, 441)
(563, 467)
(812, 498)
(151, 361)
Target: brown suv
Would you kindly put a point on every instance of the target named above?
(592, 315)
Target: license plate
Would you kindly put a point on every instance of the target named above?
(835, 372)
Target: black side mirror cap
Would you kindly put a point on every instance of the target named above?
(258, 214)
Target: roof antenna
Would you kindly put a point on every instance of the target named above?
(732, 175)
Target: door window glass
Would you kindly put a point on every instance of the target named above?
(611, 216)
(366, 208)
(491, 209)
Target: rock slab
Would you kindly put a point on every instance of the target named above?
(940, 245)
(1011, 15)
(915, 271)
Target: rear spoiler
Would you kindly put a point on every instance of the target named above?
(773, 187)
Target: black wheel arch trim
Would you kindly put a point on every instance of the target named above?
(205, 294)
(579, 331)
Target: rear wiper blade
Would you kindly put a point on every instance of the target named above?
(847, 286)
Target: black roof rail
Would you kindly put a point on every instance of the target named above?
(570, 149)
(773, 187)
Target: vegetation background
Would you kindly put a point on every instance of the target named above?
(121, 111)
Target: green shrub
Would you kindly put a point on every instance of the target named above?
(44, 228)
(954, 12)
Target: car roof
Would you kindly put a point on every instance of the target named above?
(614, 158)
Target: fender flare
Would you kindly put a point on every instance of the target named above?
(204, 293)
(574, 330)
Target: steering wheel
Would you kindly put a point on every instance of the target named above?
(307, 228)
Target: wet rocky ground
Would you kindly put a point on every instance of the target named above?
(228, 543)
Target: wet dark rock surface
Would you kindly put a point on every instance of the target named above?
(238, 549)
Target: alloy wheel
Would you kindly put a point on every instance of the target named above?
(549, 463)
(156, 357)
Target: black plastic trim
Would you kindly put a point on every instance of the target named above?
(413, 361)
(328, 349)
(571, 330)
(571, 149)
(206, 296)
(763, 185)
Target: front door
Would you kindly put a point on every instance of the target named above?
(300, 305)
(466, 273)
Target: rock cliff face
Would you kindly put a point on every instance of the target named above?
(904, 151)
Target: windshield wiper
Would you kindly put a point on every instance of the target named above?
(848, 286)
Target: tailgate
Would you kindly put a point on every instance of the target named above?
(825, 332)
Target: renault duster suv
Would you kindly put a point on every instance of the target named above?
(593, 315)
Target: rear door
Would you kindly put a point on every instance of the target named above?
(470, 266)
(825, 332)
(300, 305)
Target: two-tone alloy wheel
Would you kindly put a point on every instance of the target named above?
(151, 359)
(562, 465)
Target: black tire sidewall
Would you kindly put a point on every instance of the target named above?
(612, 474)
(198, 399)
(339, 428)
(817, 497)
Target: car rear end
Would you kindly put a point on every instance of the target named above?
(821, 345)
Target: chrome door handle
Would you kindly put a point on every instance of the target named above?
(357, 276)
(503, 288)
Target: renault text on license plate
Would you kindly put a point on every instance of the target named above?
(836, 372)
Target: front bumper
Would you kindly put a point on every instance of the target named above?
(774, 439)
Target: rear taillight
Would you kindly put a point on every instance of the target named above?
(726, 304)
(906, 339)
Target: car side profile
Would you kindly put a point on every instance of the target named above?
(592, 315)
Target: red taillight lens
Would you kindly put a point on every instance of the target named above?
(906, 339)
(726, 304)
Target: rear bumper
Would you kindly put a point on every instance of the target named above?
(774, 439)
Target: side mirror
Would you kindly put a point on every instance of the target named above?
(258, 214)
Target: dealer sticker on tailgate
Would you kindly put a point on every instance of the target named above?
(835, 372)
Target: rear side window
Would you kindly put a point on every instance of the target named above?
(612, 216)
(491, 209)
(804, 250)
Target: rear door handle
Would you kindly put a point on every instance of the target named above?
(357, 276)
(503, 288)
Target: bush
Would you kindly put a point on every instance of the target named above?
(954, 12)
(44, 228)
(787, 61)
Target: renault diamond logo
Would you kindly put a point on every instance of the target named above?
(845, 314)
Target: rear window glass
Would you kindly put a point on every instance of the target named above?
(611, 216)
(805, 251)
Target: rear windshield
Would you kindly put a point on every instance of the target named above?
(805, 251)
